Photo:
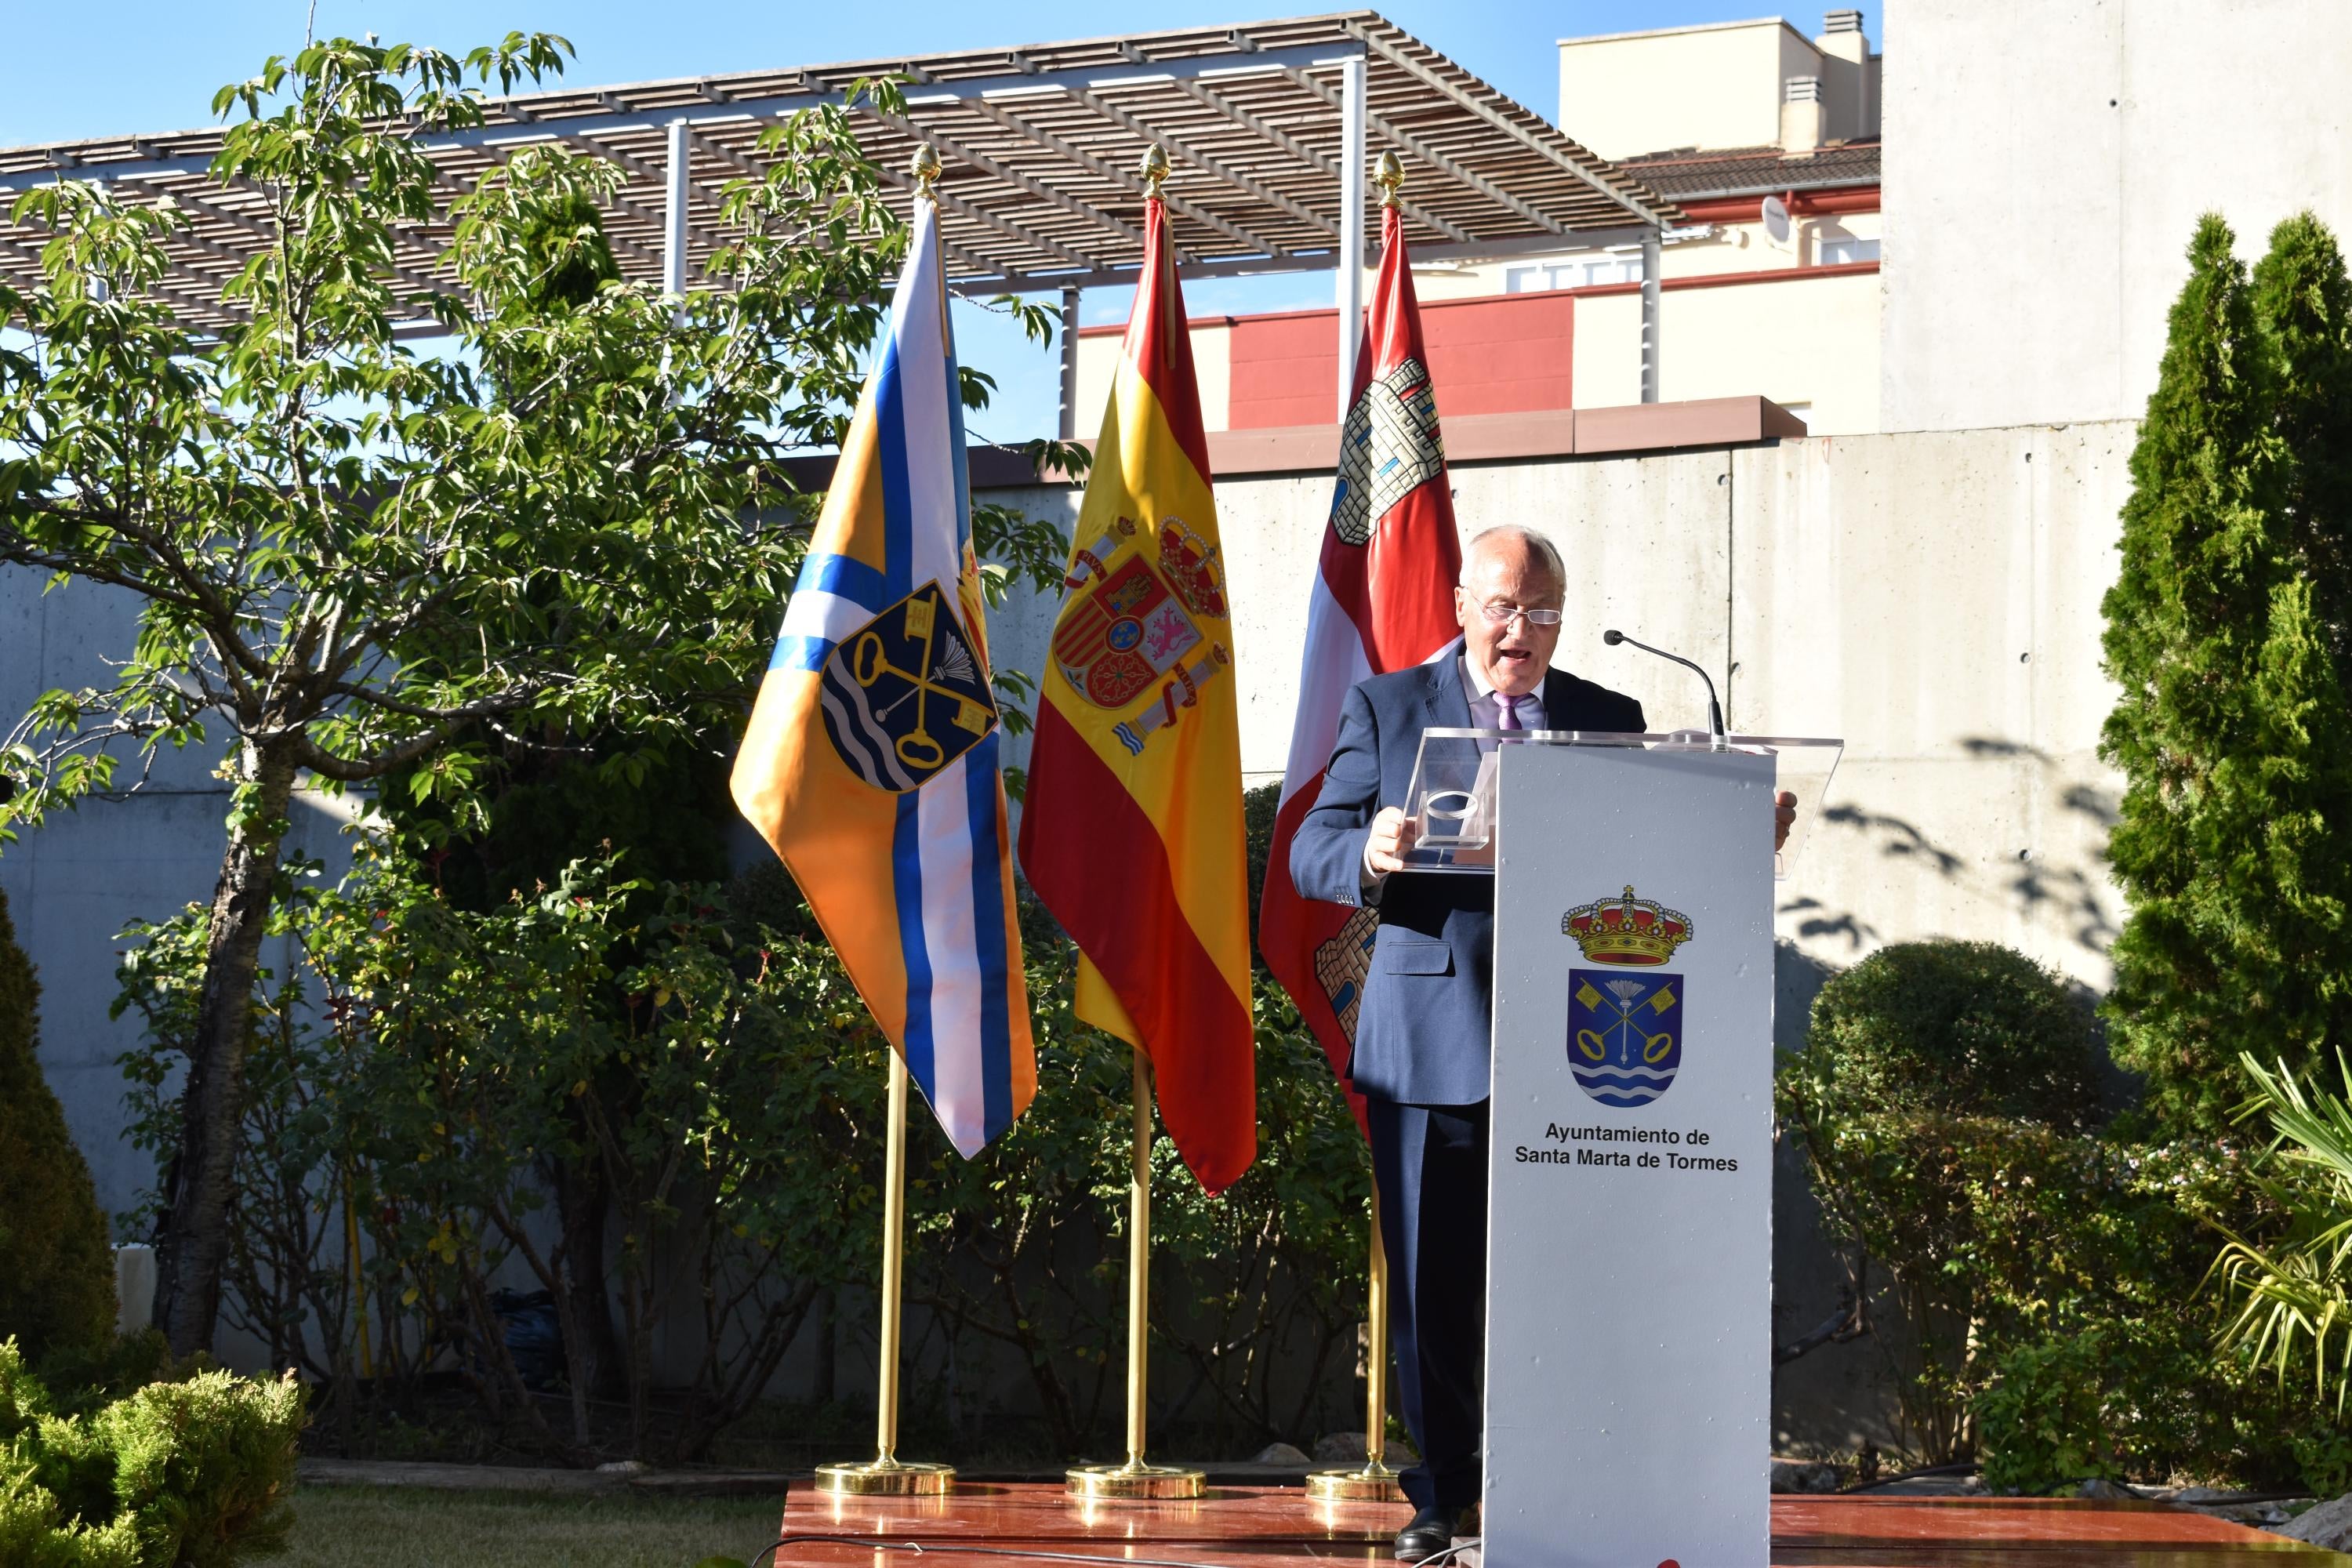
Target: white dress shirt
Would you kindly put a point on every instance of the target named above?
(1486, 709)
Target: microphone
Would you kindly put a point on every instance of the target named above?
(1714, 709)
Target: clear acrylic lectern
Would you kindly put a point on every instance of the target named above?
(1451, 799)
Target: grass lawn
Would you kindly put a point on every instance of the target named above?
(370, 1526)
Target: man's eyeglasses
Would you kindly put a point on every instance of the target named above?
(1501, 615)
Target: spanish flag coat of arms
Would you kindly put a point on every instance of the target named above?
(1132, 826)
(871, 763)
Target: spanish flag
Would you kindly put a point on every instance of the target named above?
(1131, 827)
(871, 763)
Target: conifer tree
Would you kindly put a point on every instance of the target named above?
(56, 1270)
(2226, 630)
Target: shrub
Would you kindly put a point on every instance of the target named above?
(1918, 1060)
(186, 1474)
(204, 1467)
(2050, 1281)
(2141, 1396)
(699, 1055)
(2046, 1422)
(56, 1270)
(1955, 1028)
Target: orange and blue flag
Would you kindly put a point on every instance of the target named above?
(1132, 825)
(872, 763)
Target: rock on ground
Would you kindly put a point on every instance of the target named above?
(1803, 1476)
(2329, 1525)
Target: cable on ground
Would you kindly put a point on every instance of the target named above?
(1922, 1473)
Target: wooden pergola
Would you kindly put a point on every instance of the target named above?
(1270, 127)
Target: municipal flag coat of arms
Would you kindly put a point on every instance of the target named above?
(1625, 1021)
(906, 694)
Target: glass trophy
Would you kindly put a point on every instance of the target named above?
(1451, 799)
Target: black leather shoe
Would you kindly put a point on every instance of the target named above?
(1431, 1532)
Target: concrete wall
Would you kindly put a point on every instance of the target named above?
(2045, 165)
(76, 882)
(1932, 598)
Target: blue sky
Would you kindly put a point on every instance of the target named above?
(71, 71)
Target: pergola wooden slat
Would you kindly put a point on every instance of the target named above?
(1039, 144)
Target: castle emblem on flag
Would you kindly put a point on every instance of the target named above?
(1389, 447)
(1342, 962)
(1625, 1031)
(1133, 623)
(903, 695)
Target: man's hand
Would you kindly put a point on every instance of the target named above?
(1392, 835)
(1784, 818)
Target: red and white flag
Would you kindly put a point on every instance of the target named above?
(1384, 600)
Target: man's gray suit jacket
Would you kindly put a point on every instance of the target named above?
(1421, 1032)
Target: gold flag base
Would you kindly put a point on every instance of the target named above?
(1375, 1482)
(1134, 1481)
(886, 1477)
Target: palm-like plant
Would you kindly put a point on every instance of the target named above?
(2299, 1289)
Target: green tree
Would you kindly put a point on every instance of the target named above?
(2228, 632)
(354, 558)
(56, 1274)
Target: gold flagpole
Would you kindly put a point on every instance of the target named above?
(1136, 1479)
(885, 1474)
(1375, 1482)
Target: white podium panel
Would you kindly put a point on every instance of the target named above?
(1629, 1283)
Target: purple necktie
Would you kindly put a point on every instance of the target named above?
(1509, 717)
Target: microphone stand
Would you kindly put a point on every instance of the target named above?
(1717, 739)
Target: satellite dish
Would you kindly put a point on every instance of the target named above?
(1776, 220)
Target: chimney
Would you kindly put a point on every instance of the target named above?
(1849, 78)
(1801, 117)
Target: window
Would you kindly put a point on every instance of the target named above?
(1839, 252)
(1578, 274)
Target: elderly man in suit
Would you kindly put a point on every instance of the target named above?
(1423, 1031)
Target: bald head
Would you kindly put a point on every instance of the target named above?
(1519, 544)
(1506, 571)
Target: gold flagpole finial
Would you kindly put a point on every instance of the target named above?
(1154, 169)
(1388, 176)
(924, 167)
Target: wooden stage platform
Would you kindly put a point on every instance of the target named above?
(986, 1526)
